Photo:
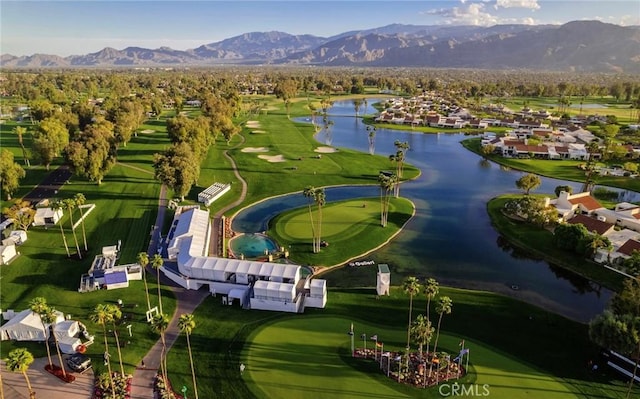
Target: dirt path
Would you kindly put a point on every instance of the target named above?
(216, 223)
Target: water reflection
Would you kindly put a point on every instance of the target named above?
(451, 237)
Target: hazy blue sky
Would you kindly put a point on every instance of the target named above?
(79, 27)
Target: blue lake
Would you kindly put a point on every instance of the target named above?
(451, 237)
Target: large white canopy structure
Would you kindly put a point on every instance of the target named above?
(27, 326)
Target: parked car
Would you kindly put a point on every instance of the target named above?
(79, 362)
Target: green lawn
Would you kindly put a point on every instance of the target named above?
(350, 228)
(126, 206)
(520, 350)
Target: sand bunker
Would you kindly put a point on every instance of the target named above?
(147, 131)
(258, 131)
(272, 158)
(325, 150)
(252, 124)
(255, 149)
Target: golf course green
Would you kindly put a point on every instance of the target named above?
(351, 228)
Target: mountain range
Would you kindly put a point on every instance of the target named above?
(589, 46)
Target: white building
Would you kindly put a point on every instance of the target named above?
(47, 216)
(213, 192)
(258, 285)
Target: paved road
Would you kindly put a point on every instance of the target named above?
(49, 187)
(46, 385)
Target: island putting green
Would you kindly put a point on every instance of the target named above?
(350, 228)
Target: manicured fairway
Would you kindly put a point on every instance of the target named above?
(294, 358)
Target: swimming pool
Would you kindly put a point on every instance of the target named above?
(251, 245)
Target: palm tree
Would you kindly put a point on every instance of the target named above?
(50, 316)
(411, 286)
(20, 131)
(186, 325)
(143, 261)
(157, 263)
(320, 199)
(431, 289)
(56, 206)
(18, 361)
(159, 324)
(309, 192)
(357, 104)
(38, 305)
(422, 331)
(101, 315)
(402, 147)
(70, 204)
(81, 200)
(372, 139)
(386, 185)
(444, 307)
(115, 314)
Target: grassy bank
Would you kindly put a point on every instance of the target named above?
(559, 169)
(539, 242)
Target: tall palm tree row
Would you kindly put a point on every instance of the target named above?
(50, 316)
(38, 305)
(157, 263)
(55, 206)
(320, 199)
(187, 324)
(18, 361)
(143, 261)
(444, 306)
(431, 289)
(387, 184)
(70, 204)
(102, 315)
(411, 286)
(80, 201)
(115, 314)
(309, 193)
(159, 324)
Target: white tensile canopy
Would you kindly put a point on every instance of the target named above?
(26, 326)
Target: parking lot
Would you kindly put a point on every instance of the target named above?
(46, 385)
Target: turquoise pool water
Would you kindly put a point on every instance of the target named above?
(252, 245)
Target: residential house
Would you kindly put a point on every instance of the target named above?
(568, 205)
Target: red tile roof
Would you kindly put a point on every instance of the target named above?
(628, 247)
(592, 224)
(587, 201)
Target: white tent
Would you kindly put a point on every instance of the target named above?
(21, 235)
(7, 253)
(66, 329)
(46, 216)
(68, 345)
(26, 326)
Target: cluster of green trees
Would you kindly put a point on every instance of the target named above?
(421, 329)
(576, 238)
(618, 327)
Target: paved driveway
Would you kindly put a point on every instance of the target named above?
(46, 385)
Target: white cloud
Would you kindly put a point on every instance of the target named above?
(530, 4)
(472, 14)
